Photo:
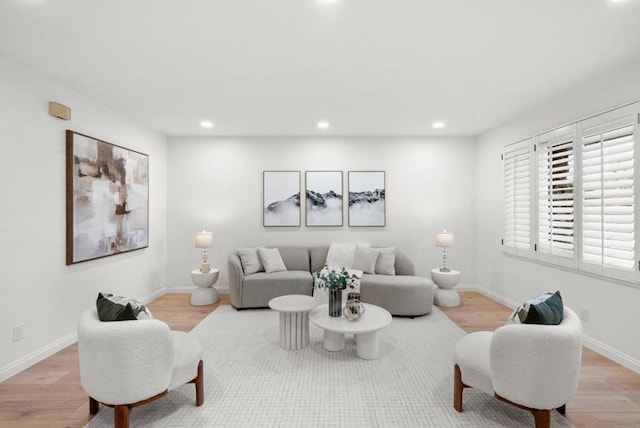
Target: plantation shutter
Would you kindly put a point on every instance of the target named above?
(517, 184)
(556, 166)
(608, 203)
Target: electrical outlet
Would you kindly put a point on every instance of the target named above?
(18, 332)
(584, 313)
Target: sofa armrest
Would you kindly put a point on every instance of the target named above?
(124, 362)
(236, 278)
(537, 366)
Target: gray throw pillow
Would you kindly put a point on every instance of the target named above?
(365, 258)
(250, 260)
(271, 260)
(386, 263)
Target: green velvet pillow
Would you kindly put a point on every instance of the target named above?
(116, 308)
(547, 309)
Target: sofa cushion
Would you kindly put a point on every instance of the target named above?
(271, 260)
(250, 260)
(117, 308)
(546, 309)
(295, 258)
(400, 295)
(471, 354)
(365, 258)
(318, 256)
(385, 264)
(258, 289)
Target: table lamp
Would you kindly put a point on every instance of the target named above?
(444, 239)
(204, 240)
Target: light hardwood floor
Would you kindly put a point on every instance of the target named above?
(49, 393)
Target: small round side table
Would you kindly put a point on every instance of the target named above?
(205, 294)
(445, 295)
(294, 319)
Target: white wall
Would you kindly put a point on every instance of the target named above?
(216, 183)
(38, 289)
(613, 306)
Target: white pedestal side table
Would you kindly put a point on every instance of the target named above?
(294, 319)
(445, 295)
(205, 294)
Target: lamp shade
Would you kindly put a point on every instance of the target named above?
(204, 239)
(444, 239)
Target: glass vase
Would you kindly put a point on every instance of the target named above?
(335, 303)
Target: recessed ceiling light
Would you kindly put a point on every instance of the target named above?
(206, 124)
(437, 125)
(323, 125)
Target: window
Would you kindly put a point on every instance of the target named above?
(556, 192)
(608, 193)
(580, 211)
(517, 185)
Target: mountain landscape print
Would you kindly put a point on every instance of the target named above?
(281, 198)
(324, 198)
(367, 198)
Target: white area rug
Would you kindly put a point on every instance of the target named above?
(250, 381)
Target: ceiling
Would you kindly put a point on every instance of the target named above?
(368, 67)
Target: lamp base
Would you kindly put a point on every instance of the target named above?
(444, 269)
(205, 267)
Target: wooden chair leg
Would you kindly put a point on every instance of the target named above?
(458, 387)
(199, 382)
(542, 418)
(121, 416)
(562, 409)
(94, 406)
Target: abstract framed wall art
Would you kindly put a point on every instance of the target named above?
(107, 199)
(281, 198)
(367, 198)
(323, 198)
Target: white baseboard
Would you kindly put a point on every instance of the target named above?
(47, 351)
(155, 295)
(611, 353)
(190, 288)
(593, 344)
(37, 356)
(180, 289)
(497, 297)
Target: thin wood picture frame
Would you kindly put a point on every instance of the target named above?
(367, 199)
(281, 198)
(324, 198)
(107, 199)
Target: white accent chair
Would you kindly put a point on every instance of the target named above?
(534, 367)
(124, 364)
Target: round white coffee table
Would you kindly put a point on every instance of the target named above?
(365, 330)
(205, 294)
(445, 295)
(294, 319)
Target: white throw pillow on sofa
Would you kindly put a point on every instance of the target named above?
(341, 255)
(250, 260)
(386, 263)
(365, 259)
(271, 259)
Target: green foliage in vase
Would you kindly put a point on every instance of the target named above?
(335, 280)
